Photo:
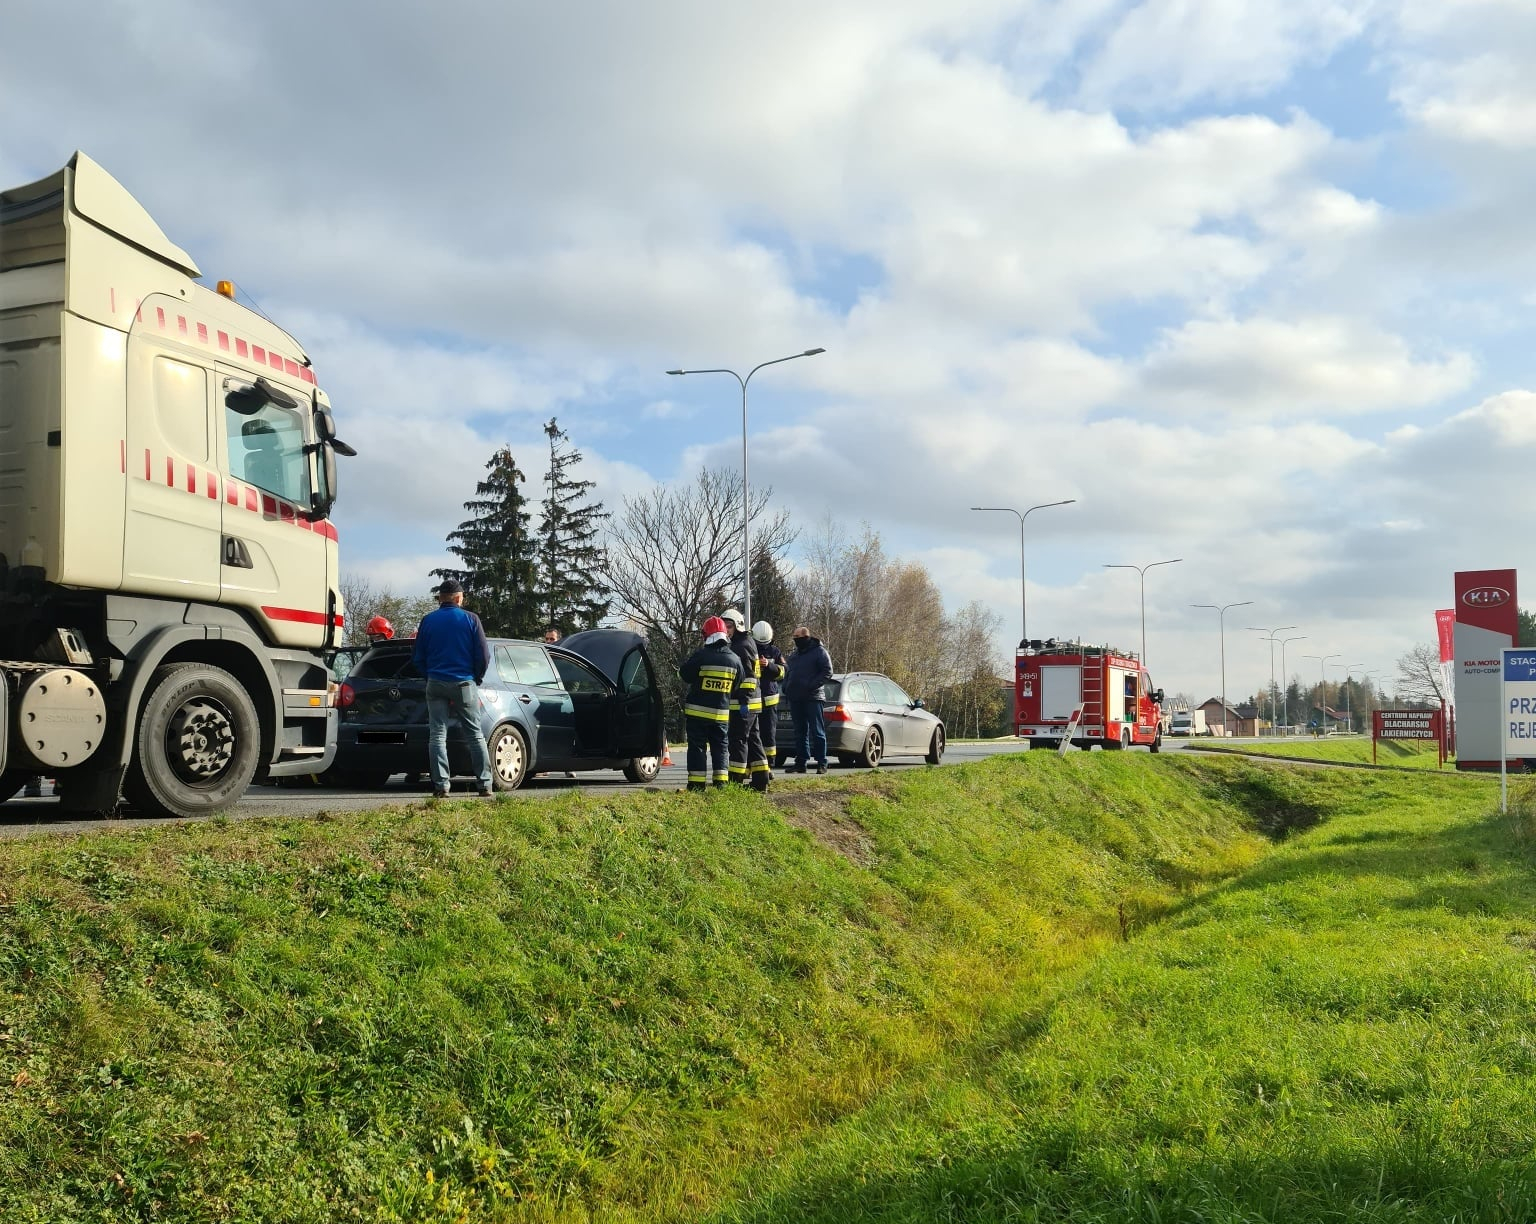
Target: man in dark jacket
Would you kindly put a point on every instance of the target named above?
(807, 670)
(712, 673)
(452, 653)
(771, 659)
(748, 762)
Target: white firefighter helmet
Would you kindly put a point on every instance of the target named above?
(763, 631)
(734, 619)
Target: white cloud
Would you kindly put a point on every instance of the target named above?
(1163, 53)
(1299, 369)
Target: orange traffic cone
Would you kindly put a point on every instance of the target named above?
(666, 755)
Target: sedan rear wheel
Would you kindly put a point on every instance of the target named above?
(936, 747)
(643, 769)
(509, 757)
(874, 749)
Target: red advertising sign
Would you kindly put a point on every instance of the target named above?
(1445, 627)
(1486, 598)
(1408, 725)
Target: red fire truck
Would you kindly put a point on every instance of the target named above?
(1084, 694)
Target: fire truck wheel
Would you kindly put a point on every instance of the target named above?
(936, 747)
(874, 749)
(1157, 743)
(198, 742)
(11, 781)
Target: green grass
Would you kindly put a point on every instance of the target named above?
(1033, 987)
(1408, 754)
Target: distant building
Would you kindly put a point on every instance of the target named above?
(1240, 720)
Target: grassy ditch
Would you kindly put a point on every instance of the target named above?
(1406, 754)
(1063, 982)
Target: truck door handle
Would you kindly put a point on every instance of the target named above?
(236, 555)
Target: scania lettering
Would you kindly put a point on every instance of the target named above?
(1089, 694)
(168, 564)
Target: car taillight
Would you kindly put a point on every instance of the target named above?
(837, 713)
(345, 696)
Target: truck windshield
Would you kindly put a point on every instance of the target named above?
(266, 449)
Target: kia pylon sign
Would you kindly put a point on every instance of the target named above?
(1487, 624)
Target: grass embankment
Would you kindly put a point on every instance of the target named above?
(1407, 754)
(1009, 987)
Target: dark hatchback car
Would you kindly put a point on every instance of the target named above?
(592, 702)
(868, 718)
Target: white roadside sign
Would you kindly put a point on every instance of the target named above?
(1517, 700)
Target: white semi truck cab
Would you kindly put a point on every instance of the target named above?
(168, 564)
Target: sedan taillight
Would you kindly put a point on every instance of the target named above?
(837, 713)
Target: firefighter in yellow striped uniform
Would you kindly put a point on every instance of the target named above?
(771, 661)
(712, 673)
(749, 763)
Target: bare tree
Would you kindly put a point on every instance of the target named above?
(363, 601)
(674, 557)
(1419, 679)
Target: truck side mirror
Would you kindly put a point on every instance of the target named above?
(323, 498)
(1157, 696)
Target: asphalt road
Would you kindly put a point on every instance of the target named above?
(21, 817)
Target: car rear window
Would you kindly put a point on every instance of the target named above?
(532, 664)
(832, 690)
(386, 665)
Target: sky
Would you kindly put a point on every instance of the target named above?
(1251, 282)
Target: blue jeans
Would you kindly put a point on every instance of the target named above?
(455, 701)
(810, 732)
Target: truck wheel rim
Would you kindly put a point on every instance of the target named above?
(509, 758)
(200, 740)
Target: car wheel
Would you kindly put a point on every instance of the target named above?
(936, 748)
(509, 757)
(643, 769)
(874, 749)
(197, 745)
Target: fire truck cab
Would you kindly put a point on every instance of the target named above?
(1086, 694)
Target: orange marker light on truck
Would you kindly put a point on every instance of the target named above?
(226, 289)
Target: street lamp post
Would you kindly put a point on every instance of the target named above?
(1285, 696)
(1221, 622)
(1322, 688)
(1141, 570)
(1271, 633)
(746, 512)
(1023, 583)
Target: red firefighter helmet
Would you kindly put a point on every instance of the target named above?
(378, 630)
(713, 626)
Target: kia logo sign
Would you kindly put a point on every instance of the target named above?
(1485, 597)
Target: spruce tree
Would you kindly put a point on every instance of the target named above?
(773, 600)
(572, 588)
(500, 570)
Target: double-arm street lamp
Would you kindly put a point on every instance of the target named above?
(1141, 570)
(1023, 582)
(1285, 695)
(1322, 687)
(746, 509)
(1221, 622)
(1271, 639)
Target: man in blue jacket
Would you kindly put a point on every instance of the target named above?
(452, 653)
(807, 670)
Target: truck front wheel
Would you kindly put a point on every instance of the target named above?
(197, 743)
